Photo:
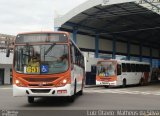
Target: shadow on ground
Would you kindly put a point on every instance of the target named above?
(51, 101)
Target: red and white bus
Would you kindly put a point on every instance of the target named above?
(47, 64)
(122, 73)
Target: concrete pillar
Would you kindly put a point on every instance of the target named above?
(7, 74)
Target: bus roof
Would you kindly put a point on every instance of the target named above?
(38, 32)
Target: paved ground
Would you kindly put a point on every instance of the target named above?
(152, 89)
(94, 98)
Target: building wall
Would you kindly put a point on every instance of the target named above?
(105, 45)
(155, 52)
(121, 47)
(6, 64)
(85, 42)
(7, 68)
(4, 59)
(145, 51)
(134, 49)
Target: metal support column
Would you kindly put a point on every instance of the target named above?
(75, 30)
(114, 48)
(140, 52)
(159, 59)
(96, 45)
(151, 56)
(128, 49)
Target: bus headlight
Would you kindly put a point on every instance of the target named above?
(63, 82)
(19, 83)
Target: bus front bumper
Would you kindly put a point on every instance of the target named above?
(112, 83)
(42, 92)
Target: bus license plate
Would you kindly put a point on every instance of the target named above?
(105, 83)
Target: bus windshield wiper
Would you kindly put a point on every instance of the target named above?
(49, 49)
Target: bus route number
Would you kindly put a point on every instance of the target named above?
(30, 69)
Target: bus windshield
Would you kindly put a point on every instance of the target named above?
(105, 69)
(39, 59)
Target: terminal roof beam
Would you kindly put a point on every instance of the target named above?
(127, 20)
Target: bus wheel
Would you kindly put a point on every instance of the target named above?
(72, 98)
(80, 92)
(124, 83)
(106, 86)
(141, 82)
(30, 100)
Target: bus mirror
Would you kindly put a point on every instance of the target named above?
(7, 52)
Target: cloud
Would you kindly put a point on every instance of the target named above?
(32, 15)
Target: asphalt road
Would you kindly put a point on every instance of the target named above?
(94, 98)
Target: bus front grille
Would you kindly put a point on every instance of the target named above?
(44, 79)
(40, 90)
(41, 85)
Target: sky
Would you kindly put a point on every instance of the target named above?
(18, 16)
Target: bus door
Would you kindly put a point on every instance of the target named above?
(126, 72)
(119, 72)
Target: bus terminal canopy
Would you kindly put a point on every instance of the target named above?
(125, 20)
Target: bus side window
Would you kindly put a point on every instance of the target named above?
(141, 68)
(147, 68)
(137, 68)
(133, 68)
(118, 69)
(76, 56)
(72, 56)
(124, 68)
(144, 68)
(128, 67)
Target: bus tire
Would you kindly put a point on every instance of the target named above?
(72, 98)
(106, 86)
(141, 82)
(80, 92)
(124, 83)
(30, 100)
